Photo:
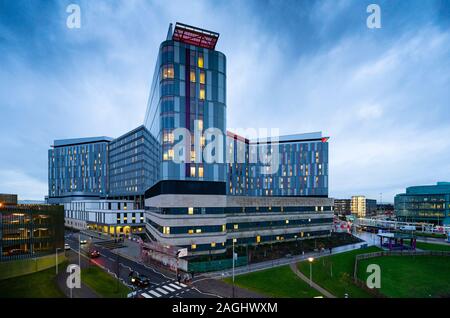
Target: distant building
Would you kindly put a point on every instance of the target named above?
(428, 203)
(385, 208)
(342, 206)
(362, 207)
(8, 199)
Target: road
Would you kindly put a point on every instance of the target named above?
(161, 285)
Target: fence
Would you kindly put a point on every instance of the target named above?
(217, 265)
(395, 253)
(21, 267)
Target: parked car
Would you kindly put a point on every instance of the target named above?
(66, 247)
(140, 281)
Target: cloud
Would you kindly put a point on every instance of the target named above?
(307, 66)
(18, 182)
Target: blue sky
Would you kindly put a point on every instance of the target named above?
(381, 94)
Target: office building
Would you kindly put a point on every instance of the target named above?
(78, 169)
(302, 168)
(134, 160)
(426, 203)
(342, 206)
(362, 207)
(114, 217)
(245, 190)
(205, 207)
(188, 91)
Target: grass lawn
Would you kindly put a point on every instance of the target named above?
(275, 282)
(37, 285)
(411, 276)
(103, 283)
(342, 267)
(432, 247)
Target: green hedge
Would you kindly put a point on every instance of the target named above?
(27, 266)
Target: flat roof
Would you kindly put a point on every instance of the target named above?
(78, 141)
(196, 36)
(313, 136)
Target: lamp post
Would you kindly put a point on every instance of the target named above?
(233, 267)
(56, 259)
(79, 250)
(310, 260)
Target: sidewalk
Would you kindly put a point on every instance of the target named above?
(306, 280)
(84, 291)
(225, 290)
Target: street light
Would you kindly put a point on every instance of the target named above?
(310, 260)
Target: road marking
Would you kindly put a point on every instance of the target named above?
(162, 291)
(168, 288)
(181, 284)
(146, 295)
(154, 293)
(175, 286)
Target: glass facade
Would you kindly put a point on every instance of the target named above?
(78, 165)
(302, 168)
(188, 91)
(28, 231)
(429, 204)
(133, 163)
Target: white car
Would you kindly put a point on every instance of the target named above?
(66, 247)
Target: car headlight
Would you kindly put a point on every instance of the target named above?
(133, 280)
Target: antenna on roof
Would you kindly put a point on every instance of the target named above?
(169, 33)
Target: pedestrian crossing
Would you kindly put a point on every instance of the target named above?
(166, 290)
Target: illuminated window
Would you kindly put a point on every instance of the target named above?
(301, 234)
(213, 244)
(166, 230)
(190, 210)
(198, 231)
(165, 156)
(224, 228)
(192, 171)
(287, 221)
(170, 154)
(168, 71)
(258, 239)
(192, 76)
(236, 226)
(200, 172)
(191, 231)
(192, 157)
(234, 240)
(200, 124)
(202, 93)
(193, 246)
(202, 77)
(200, 61)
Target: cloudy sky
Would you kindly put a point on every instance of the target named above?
(382, 95)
